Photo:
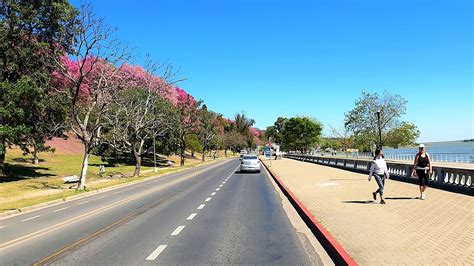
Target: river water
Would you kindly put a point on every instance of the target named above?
(450, 151)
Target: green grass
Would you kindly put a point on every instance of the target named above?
(30, 184)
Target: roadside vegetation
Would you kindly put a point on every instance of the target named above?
(360, 130)
(66, 75)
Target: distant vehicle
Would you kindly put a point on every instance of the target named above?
(249, 163)
(243, 153)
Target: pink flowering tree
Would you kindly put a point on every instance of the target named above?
(90, 78)
(186, 120)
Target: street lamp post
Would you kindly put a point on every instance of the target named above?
(380, 129)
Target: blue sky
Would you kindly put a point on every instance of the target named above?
(287, 58)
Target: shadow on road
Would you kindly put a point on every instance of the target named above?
(238, 172)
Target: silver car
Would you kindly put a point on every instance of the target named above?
(249, 163)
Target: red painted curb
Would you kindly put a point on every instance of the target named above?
(329, 243)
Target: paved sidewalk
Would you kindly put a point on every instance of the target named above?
(439, 230)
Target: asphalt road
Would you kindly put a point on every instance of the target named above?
(209, 215)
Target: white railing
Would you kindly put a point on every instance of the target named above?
(435, 157)
(455, 179)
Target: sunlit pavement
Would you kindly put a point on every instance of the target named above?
(406, 230)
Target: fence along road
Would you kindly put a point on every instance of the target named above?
(455, 179)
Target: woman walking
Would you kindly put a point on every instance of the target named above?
(380, 172)
(422, 169)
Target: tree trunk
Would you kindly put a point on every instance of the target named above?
(85, 163)
(138, 163)
(3, 150)
(182, 159)
(203, 155)
(138, 157)
(35, 154)
(182, 147)
(225, 153)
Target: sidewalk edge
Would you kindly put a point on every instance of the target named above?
(335, 251)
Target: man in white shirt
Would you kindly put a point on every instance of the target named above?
(379, 170)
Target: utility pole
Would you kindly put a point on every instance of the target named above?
(380, 129)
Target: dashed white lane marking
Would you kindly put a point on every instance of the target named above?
(221, 185)
(201, 206)
(80, 203)
(31, 218)
(2, 227)
(213, 193)
(217, 189)
(223, 182)
(116, 192)
(178, 230)
(191, 216)
(156, 252)
(62, 209)
(102, 197)
(208, 199)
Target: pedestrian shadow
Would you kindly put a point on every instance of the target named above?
(359, 201)
(401, 198)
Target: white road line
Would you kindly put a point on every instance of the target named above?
(201, 206)
(80, 203)
(191, 216)
(217, 189)
(156, 252)
(221, 186)
(116, 192)
(2, 227)
(31, 218)
(102, 197)
(213, 193)
(208, 199)
(223, 182)
(178, 230)
(62, 209)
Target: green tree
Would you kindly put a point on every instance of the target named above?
(47, 119)
(234, 140)
(33, 35)
(275, 132)
(362, 120)
(242, 126)
(404, 134)
(208, 129)
(194, 144)
(300, 133)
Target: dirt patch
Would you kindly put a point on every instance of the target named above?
(71, 145)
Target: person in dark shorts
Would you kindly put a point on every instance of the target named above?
(422, 169)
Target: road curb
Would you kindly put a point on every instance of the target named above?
(335, 251)
(12, 213)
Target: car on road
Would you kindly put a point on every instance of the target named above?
(249, 163)
(243, 153)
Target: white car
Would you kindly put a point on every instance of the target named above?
(243, 153)
(250, 163)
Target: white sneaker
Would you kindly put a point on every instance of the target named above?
(422, 196)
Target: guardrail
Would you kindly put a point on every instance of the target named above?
(435, 157)
(448, 178)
